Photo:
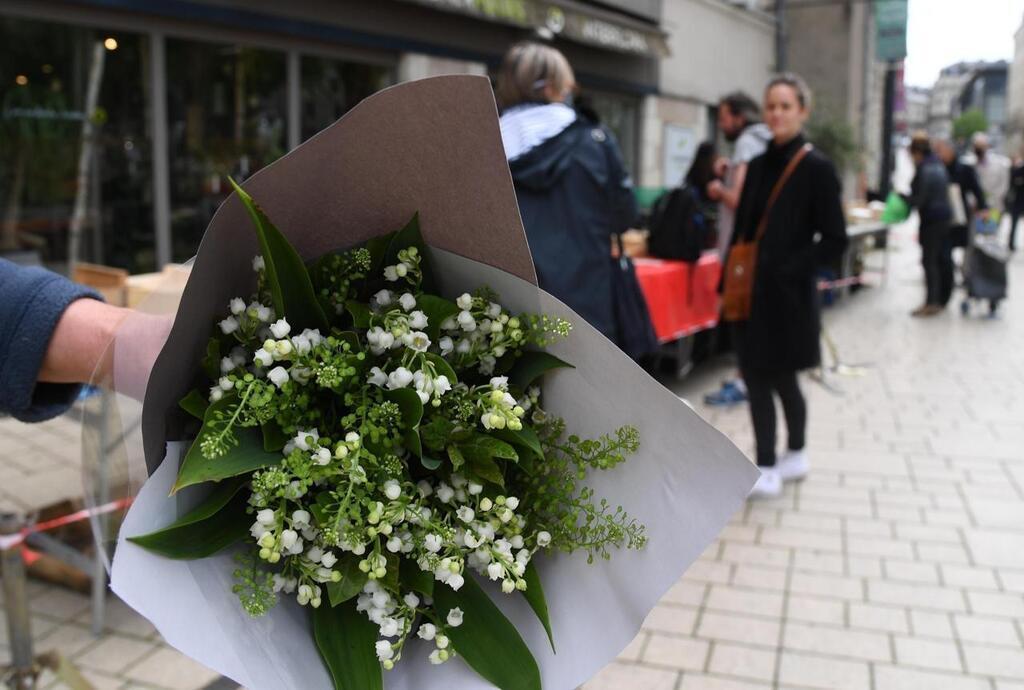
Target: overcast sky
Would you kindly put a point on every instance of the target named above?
(943, 32)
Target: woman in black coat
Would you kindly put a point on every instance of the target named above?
(806, 229)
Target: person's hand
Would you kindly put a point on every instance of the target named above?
(720, 166)
(714, 190)
(106, 345)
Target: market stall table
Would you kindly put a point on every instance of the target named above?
(682, 299)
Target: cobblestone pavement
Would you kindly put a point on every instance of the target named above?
(899, 563)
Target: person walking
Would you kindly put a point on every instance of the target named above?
(1015, 199)
(790, 215)
(929, 194)
(993, 171)
(739, 121)
(574, 192)
(966, 199)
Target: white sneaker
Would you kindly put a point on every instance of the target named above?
(793, 465)
(769, 484)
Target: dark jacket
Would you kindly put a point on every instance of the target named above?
(929, 194)
(806, 230)
(1015, 196)
(574, 193)
(967, 177)
(31, 302)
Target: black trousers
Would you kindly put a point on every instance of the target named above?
(1015, 215)
(761, 389)
(937, 261)
(946, 279)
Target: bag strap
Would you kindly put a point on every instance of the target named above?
(762, 226)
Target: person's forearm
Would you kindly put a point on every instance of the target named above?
(731, 197)
(79, 347)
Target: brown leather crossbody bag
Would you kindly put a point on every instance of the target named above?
(738, 288)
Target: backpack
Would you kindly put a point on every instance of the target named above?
(678, 230)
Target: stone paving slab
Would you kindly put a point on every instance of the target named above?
(897, 564)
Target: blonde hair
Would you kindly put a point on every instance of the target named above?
(527, 70)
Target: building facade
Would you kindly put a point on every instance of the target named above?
(716, 46)
(191, 91)
(832, 45)
(1015, 97)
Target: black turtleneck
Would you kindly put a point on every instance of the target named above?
(776, 157)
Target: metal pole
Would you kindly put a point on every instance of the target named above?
(885, 177)
(161, 157)
(780, 35)
(294, 86)
(22, 674)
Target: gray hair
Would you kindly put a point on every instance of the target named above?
(795, 82)
(528, 69)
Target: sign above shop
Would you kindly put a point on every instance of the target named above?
(890, 29)
(572, 21)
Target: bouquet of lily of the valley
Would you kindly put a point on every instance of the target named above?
(376, 448)
(397, 450)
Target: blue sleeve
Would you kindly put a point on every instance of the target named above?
(32, 300)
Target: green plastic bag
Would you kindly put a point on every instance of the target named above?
(896, 209)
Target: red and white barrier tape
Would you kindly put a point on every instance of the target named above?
(10, 541)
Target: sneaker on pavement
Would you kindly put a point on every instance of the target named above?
(793, 465)
(729, 394)
(769, 484)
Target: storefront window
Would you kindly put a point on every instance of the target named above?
(226, 116)
(45, 70)
(330, 88)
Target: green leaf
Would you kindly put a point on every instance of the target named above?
(533, 364)
(535, 598)
(486, 640)
(216, 523)
(346, 640)
(248, 455)
(456, 456)
(443, 367)
(487, 469)
(411, 577)
(274, 438)
(378, 248)
(360, 313)
(195, 403)
(412, 441)
(390, 580)
(287, 276)
(429, 462)
(437, 310)
(410, 405)
(436, 432)
(211, 362)
(352, 580)
(484, 447)
(525, 438)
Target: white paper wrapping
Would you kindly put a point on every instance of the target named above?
(684, 484)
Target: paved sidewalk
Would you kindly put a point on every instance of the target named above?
(899, 563)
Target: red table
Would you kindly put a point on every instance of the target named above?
(681, 297)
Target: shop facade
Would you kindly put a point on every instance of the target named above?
(189, 92)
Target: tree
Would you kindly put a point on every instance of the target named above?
(834, 138)
(969, 124)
